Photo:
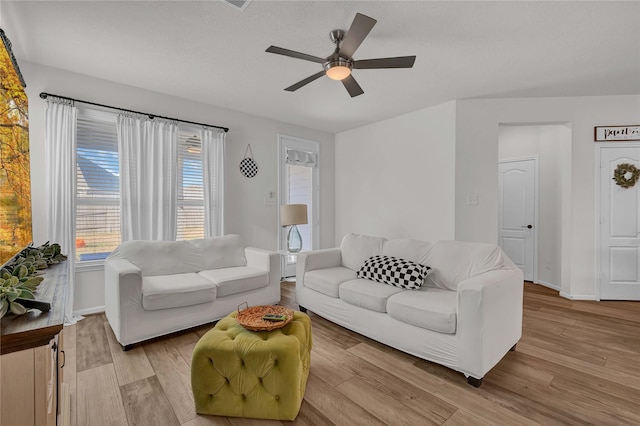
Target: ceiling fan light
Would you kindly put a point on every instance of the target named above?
(337, 70)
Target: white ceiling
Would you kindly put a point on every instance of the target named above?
(211, 52)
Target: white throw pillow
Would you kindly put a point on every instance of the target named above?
(356, 248)
(455, 261)
(220, 252)
(404, 248)
(158, 257)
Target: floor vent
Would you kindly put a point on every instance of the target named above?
(240, 4)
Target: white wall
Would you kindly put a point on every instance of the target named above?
(395, 178)
(245, 211)
(551, 144)
(477, 127)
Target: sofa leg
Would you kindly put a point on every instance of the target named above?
(474, 382)
(513, 348)
(303, 309)
(126, 348)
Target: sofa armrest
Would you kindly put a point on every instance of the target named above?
(123, 293)
(317, 259)
(267, 260)
(489, 318)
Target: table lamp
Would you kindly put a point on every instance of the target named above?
(292, 215)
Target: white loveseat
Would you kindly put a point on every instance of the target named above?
(466, 316)
(153, 288)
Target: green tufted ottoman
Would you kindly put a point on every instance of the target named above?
(241, 373)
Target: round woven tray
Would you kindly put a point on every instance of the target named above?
(251, 318)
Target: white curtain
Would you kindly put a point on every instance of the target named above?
(213, 141)
(148, 178)
(60, 186)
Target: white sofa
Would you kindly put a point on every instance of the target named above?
(153, 288)
(466, 316)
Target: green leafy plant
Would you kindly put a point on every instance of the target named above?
(20, 277)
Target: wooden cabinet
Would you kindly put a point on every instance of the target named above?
(32, 358)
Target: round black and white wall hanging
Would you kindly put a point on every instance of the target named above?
(248, 166)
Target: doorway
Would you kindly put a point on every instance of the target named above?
(619, 224)
(550, 144)
(517, 213)
(299, 183)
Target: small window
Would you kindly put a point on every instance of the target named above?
(98, 186)
(190, 187)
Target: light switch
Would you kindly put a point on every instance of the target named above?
(270, 199)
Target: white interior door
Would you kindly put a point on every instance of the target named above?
(619, 228)
(517, 213)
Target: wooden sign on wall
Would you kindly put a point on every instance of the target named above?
(616, 133)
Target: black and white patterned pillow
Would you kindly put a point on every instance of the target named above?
(394, 271)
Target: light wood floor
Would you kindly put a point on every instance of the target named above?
(578, 363)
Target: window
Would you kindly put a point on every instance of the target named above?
(299, 184)
(98, 186)
(190, 187)
(299, 181)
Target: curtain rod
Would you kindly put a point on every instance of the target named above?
(44, 95)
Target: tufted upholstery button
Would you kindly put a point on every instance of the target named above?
(260, 379)
(275, 362)
(277, 397)
(242, 362)
(226, 379)
(244, 396)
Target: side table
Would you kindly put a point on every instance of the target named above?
(287, 258)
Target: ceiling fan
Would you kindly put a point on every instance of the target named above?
(338, 66)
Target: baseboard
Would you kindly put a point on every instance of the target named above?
(549, 285)
(578, 296)
(89, 311)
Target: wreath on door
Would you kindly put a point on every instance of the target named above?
(626, 175)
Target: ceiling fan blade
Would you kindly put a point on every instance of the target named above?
(398, 62)
(304, 82)
(360, 28)
(294, 54)
(352, 86)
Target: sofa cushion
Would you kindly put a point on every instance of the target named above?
(404, 248)
(394, 271)
(220, 252)
(237, 279)
(456, 261)
(176, 257)
(367, 294)
(357, 248)
(327, 281)
(172, 291)
(158, 257)
(430, 308)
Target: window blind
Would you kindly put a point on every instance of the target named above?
(190, 187)
(300, 191)
(98, 187)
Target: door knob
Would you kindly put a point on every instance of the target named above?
(528, 226)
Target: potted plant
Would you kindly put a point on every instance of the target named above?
(20, 278)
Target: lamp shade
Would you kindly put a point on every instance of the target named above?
(293, 214)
